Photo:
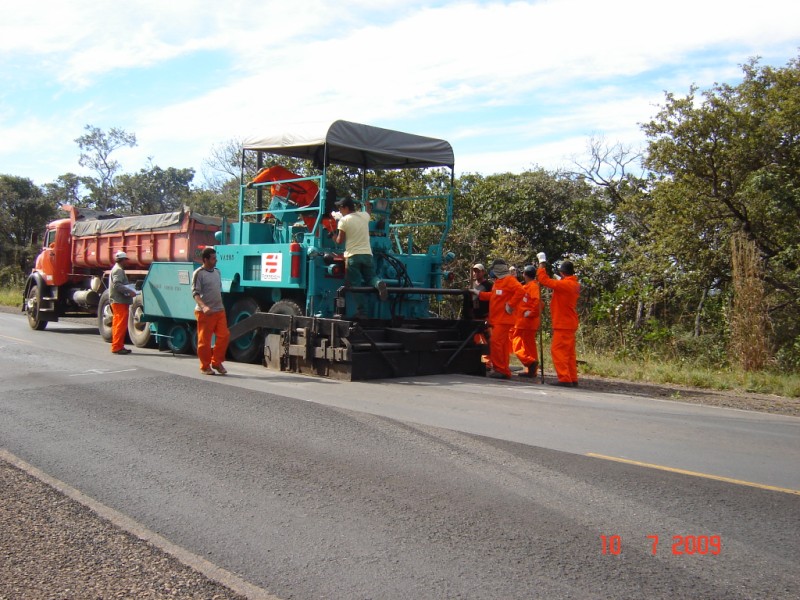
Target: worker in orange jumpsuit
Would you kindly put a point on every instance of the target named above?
(302, 193)
(121, 297)
(564, 315)
(528, 314)
(503, 299)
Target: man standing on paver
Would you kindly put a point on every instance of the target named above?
(353, 232)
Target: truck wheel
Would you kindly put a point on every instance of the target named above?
(180, 339)
(105, 318)
(138, 330)
(248, 348)
(34, 301)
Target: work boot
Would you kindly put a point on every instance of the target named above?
(498, 375)
(532, 369)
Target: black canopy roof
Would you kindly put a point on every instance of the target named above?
(356, 145)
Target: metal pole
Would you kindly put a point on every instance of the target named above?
(541, 352)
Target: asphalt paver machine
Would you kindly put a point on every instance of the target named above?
(284, 276)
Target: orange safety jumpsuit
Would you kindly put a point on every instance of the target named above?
(119, 325)
(564, 314)
(302, 193)
(523, 335)
(506, 290)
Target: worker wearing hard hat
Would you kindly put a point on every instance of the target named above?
(121, 297)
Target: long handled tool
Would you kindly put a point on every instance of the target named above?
(541, 352)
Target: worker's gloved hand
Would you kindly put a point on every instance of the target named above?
(541, 257)
(475, 291)
(250, 185)
(509, 308)
(526, 314)
(336, 215)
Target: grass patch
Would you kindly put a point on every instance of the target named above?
(10, 296)
(761, 382)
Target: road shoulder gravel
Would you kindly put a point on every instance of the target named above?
(56, 546)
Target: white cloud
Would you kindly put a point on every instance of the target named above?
(538, 76)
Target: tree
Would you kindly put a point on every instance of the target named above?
(24, 212)
(729, 161)
(154, 190)
(96, 148)
(67, 189)
(555, 212)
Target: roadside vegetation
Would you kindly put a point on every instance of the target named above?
(687, 250)
(686, 373)
(11, 296)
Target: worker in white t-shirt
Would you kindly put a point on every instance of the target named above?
(353, 232)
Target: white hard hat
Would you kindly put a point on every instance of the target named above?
(119, 255)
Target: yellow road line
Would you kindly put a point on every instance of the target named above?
(8, 337)
(695, 474)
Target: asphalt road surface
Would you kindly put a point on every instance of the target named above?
(447, 487)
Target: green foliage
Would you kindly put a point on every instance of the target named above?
(661, 371)
(220, 203)
(729, 161)
(557, 213)
(12, 276)
(24, 212)
(11, 295)
(154, 190)
(96, 148)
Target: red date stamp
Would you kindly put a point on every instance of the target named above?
(682, 545)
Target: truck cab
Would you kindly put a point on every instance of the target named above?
(53, 262)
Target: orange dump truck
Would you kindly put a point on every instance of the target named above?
(70, 277)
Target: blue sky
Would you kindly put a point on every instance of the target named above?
(511, 85)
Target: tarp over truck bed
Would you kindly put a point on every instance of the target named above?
(157, 222)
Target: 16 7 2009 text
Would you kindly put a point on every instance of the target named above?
(682, 545)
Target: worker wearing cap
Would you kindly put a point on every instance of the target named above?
(121, 297)
(528, 314)
(480, 308)
(564, 317)
(503, 299)
(353, 232)
(482, 283)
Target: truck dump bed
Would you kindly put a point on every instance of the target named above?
(167, 237)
